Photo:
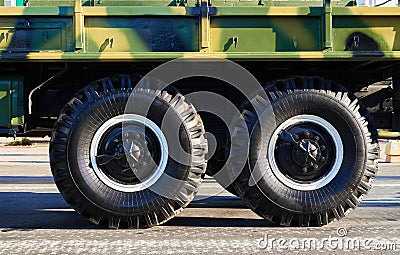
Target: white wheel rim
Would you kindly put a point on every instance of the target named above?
(330, 175)
(147, 182)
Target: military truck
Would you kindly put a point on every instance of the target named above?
(130, 150)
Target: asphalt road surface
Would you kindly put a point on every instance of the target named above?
(34, 219)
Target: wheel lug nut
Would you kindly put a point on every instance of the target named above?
(322, 158)
(316, 138)
(315, 166)
(323, 147)
(295, 137)
(305, 170)
(307, 134)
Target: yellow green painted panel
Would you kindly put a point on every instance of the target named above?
(242, 40)
(141, 34)
(259, 33)
(355, 33)
(36, 34)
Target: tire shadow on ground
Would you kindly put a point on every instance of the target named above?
(31, 210)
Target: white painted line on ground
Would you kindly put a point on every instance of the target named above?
(28, 189)
(23, 163)
(26, 161)
(381, 202)
(386, 185)
(56, 210)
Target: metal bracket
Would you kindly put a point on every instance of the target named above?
(78, 25)
(356, 40)
(181, 3)
(43, 85)
(235, 41)
(205, 25)
(328, 25)
(4, 36)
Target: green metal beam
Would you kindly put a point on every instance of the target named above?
(328, 45)
(267, 11)
(79, 26)
(154, 56)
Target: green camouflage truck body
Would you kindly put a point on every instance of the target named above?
(296, 35)
(161, 31)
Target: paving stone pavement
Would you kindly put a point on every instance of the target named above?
(34, 219)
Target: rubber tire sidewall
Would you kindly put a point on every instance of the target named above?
(91, 187)
(351, 169)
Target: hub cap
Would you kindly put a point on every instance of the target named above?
(305, 152)
(129, 153)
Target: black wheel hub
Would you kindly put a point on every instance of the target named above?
(304, 152)
(128, 154)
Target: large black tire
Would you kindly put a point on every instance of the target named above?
(276, 198)
(109, 205)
